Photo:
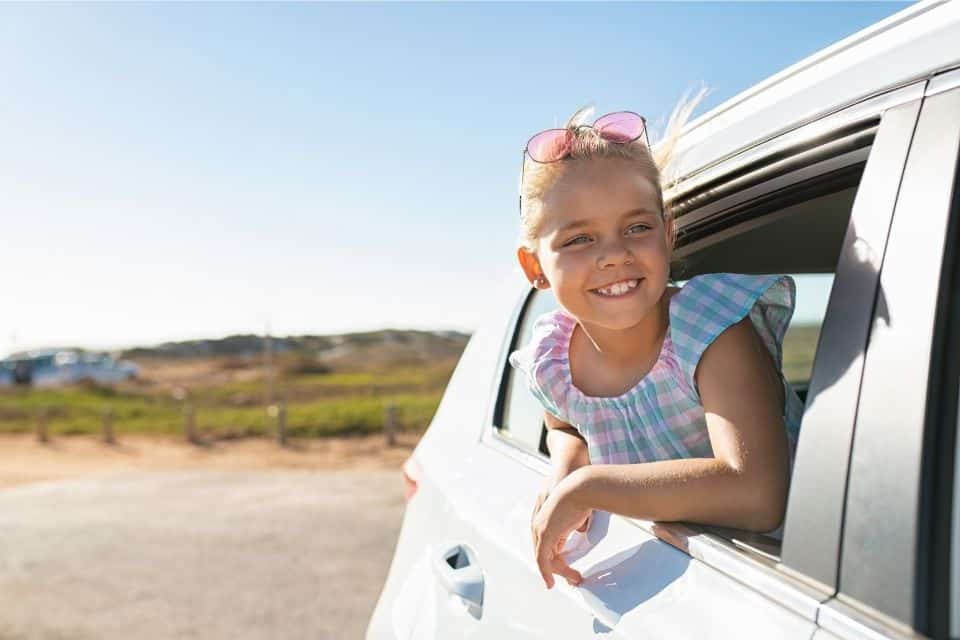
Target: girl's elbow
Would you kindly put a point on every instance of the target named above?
(768, 508)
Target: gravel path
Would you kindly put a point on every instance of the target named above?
(197, 554)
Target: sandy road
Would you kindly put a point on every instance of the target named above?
(197, 553)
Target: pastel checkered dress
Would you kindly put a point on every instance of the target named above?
(661, 417)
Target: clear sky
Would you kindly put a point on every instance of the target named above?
(173, 171)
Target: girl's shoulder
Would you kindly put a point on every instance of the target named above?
(543, 360)
(710, 303)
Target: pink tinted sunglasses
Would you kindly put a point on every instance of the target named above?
(554, 144)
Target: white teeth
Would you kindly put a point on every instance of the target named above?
(618, 288)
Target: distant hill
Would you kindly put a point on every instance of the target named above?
(386, 347)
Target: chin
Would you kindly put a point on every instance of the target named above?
(614, 320)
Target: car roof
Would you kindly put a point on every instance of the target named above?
(905, 47)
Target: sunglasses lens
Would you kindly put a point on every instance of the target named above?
(550, 145)
(622, 126)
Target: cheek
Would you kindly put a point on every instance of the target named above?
(654, 246)
(573, 263)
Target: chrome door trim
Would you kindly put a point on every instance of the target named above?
(737, 563)
(860, 623)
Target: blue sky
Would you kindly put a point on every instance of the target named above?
(171, 171)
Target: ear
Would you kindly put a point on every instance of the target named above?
(530, 264)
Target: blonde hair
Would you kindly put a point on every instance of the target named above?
(587, 145)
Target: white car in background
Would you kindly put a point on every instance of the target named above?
(841, 170)
(54, 367)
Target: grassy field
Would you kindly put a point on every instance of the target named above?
(333, 403)
(799, 346)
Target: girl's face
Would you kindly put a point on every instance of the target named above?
(602, 246)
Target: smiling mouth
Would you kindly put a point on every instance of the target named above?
(617, 289)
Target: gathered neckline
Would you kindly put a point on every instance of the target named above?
(665, 347)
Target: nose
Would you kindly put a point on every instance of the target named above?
(614, 253)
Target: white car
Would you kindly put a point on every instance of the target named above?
(842, 170)
(55, 367)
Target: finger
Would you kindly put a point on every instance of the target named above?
(544, 565)
(533, 517)
(560, 567)
(536, 506)
(586, 523)
(561, 543)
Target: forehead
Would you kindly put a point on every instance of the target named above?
(596, 189)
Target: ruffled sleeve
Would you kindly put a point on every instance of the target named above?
(709, 303)
(541, 360)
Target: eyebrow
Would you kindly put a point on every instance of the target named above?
(576, 224)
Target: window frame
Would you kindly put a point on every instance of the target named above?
(507, 372)
(819, 482)
(894, 572)
(823, 153)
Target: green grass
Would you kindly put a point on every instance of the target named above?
(799, 347)
(317, 405)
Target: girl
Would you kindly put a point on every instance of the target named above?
(661, 403)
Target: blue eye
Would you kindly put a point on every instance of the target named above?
(574, 240)
(643, 227)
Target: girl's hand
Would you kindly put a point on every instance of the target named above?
(548, 486)
(553, 521)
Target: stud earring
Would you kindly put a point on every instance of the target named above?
(539, 282)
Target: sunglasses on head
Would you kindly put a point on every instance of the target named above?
(552, 145)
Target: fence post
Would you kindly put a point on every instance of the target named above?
(189, 424)
(41, 426)
(282, 423)
(108, 426)
(390, 424)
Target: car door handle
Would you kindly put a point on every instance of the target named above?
(455, 567)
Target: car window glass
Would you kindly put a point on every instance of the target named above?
(523, 416)
(800, 341)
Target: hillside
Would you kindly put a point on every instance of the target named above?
(339, 352)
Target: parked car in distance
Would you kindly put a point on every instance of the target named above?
(841, 170)
(52, 367)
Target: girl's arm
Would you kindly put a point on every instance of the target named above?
(745, 484)
(568, 450)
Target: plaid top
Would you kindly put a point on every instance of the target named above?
(661, 417)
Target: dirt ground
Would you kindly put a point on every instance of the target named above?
(23, 460)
